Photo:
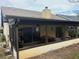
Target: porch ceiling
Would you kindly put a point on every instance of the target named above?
(33, 21)
(41, 21)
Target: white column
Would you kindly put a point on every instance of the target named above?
(6, 33)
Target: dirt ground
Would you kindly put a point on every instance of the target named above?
(3, 55)
(64, 53)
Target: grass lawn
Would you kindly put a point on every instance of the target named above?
(77, 56)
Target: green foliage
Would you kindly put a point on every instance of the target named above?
(72, 33)
(2, 38)
(77, 57)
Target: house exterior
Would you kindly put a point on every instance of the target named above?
(26, 29)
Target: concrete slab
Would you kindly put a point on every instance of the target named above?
(28, 53)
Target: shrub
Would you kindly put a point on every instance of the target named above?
(2, 38)
(77, 57)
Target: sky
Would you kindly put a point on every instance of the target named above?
(66, 7)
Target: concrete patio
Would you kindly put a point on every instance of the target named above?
(33, 52)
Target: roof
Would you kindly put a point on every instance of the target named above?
(70, 18)
(10, 11)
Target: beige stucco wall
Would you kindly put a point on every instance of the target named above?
(28, 53)
(66, 34)
(46, 13)
(47, 30)
(42, 30)
(51, 31)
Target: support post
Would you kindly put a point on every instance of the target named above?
(76, 32)
(15, 42)
(17, 45)
(46, 36)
